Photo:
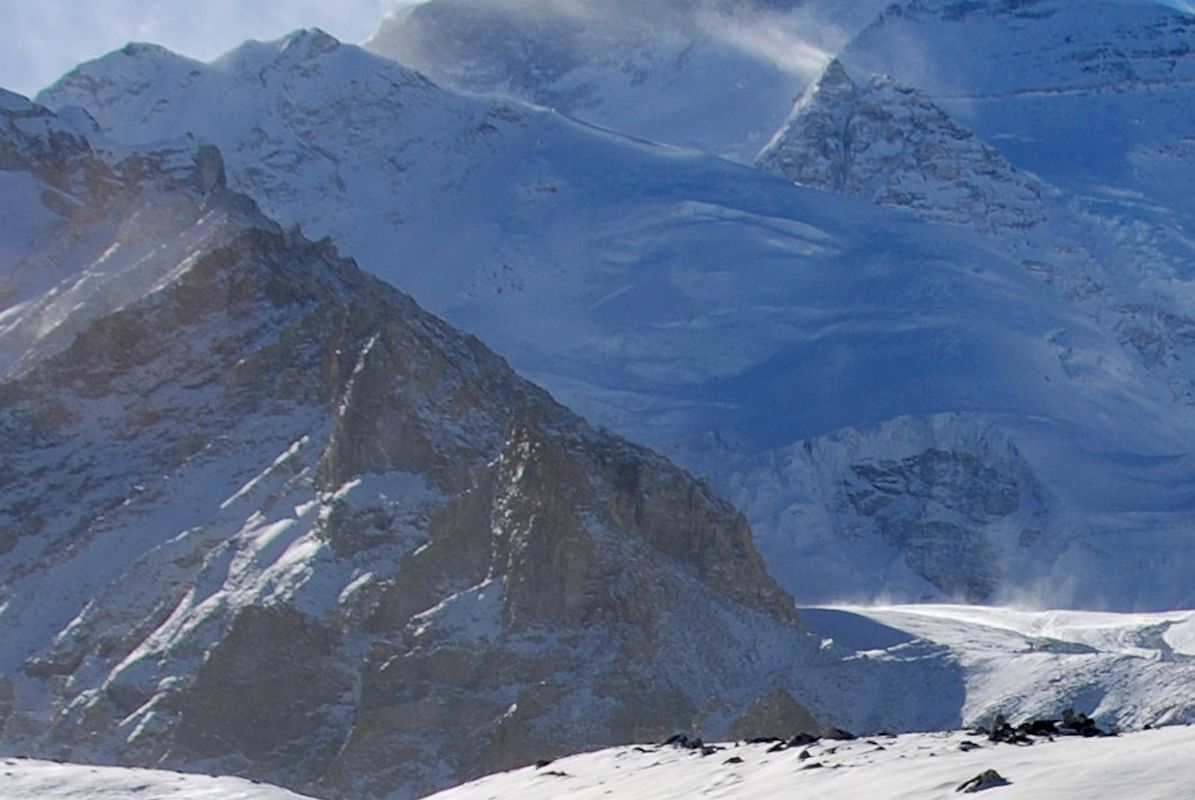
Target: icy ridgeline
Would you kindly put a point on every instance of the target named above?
(264, 516)
(713, 75)
(903, 409)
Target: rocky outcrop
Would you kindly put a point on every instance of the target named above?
(297, 529)
(933, 507)
(892, 145)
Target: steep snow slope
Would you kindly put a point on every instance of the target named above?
(262, 515)
(1153, 765)
(901, 408)
(715, 75)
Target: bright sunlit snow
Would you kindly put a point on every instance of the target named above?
(1153, 765)
(45, 39)
(26, 779)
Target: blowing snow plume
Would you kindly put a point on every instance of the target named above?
(712, 75)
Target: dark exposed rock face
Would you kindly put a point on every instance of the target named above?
(988, 779)
(297, 529)
(933, 506)
(892, 145)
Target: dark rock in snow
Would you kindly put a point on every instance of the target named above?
(839, 735)
(1002, 731)
(1079, 724)
(988, 779)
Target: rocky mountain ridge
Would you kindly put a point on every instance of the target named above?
(316, 535)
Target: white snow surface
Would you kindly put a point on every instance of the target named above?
(28, 779)
(1125, 670)
(1150, 765)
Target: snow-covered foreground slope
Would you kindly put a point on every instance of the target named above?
(1126, 671)
(1151, 765)
(902, 409)
(27, 779)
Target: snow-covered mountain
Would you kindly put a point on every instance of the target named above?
(893, 146)
(262, 515)
(713, 75)
(1082, 213)
(902, 408)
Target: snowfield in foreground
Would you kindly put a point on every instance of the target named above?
(25, 779)
(1145, 765)
(1126, 671)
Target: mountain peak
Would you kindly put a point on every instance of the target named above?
(893, 145)
(308, 42)
(145, 49)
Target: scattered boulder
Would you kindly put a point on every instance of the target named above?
(1079, 724)
(683, 740)
(1002, 731)
(1071, 724)
(800, 740)
(838, 735)
(988, 779)
(1039, 727)
(733, 760)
